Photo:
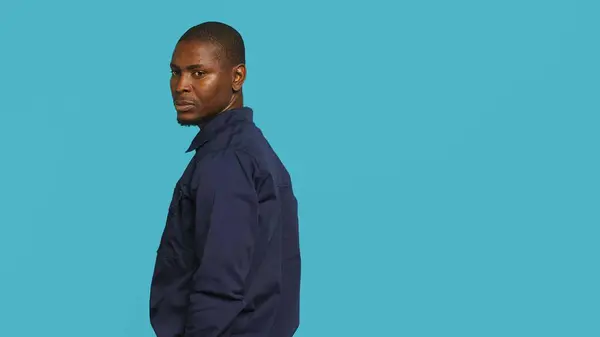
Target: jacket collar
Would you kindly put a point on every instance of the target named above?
(218, 123)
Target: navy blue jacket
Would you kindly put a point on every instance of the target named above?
(228, 263)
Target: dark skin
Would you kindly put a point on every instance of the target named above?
(203, 82)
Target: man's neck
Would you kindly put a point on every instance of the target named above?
(236, 102)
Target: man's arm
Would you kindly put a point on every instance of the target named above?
(226, 225)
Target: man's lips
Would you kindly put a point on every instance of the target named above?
(184, 105)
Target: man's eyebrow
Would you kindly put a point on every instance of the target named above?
(190, 67)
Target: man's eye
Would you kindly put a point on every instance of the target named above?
(198, 73)
(174, 72)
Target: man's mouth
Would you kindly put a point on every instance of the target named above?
(184, 105)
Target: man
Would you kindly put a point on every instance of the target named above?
(228, 263)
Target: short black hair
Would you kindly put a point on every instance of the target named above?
(227, 37)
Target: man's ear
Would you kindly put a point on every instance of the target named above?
(239, 77)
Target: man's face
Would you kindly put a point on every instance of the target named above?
(201, 83)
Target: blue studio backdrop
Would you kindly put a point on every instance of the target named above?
(444, 154)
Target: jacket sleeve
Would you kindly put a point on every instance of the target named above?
(226, 226)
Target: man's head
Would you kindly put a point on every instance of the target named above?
(208, 71)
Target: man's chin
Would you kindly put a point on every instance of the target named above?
(187, 121)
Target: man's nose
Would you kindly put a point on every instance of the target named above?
(183, 84)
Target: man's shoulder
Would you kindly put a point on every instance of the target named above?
(216, 160)
(245, 148)
(217, 169)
